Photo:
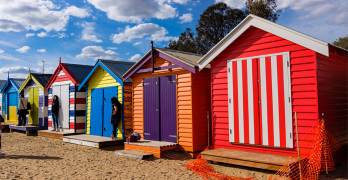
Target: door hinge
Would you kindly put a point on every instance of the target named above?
(290, 135)
(289, 99)
(144, 133)
(174, 136)
(144, 84)
(230, 131)
(229, 70)
(288, 63)
(175, 81)
(229, 100)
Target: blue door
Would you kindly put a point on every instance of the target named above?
(96, 122)
(108, 94)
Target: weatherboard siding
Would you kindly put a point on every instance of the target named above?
(256, 42)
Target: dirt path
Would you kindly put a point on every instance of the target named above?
(33, 157)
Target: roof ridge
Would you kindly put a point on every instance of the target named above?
(183, 52)
(115, 61)
(78, 64)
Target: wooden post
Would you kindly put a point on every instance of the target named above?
(208, 129)
(322, 116)
(298, 147)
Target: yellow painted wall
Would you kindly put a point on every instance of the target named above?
(102, 79)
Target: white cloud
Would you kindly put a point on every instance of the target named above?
(233, 3)
(173, 1)
(71, 34)
(19, 15)
(127, 53)
(135, 57)
(96, 52)
(137, 43)
(152, 31)
(88, 32)
(23, 49)
(135, 11)
(112, 48)
(185, 18)
(29, 34)
(42, 34)
(18, 71)
(41, 50)
(190, 9)
(1, 51)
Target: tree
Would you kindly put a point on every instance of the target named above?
(341, 42)
(214, 24)
(186, 42)
(263, 8)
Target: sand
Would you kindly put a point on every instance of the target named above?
(34, 157)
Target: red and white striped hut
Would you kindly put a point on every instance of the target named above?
(261, 74)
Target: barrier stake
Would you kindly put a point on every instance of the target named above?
(327, 171)
(298, 147)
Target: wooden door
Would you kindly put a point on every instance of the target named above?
(108, 94)
(65, 102)
(151, 109)
(12, 106)
(34, 102)
(260, 101)
(168, 108)
(96, 121)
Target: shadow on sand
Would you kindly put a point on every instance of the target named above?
(29, 157)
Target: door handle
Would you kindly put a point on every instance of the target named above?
(103, 128)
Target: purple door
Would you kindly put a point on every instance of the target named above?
(151, 109)
(168, 108)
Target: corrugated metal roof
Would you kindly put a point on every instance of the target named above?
(18, 81)
(2, 83)
(185, 57)
(118, 68)
(42, 78)
(79, 71)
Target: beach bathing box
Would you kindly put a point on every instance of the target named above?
(10, 99)
(2, 84)
(171, 98)
(36, 94)
(64, 83)
(103, 83)
(261, 74)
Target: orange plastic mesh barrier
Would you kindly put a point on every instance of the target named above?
(200, 167)
(317, 146)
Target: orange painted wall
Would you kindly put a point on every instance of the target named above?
(187, 85)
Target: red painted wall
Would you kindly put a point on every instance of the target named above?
(333, 93)
(255, 42)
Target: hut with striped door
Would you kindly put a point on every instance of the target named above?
(261, 74)
(64, 83)
(103, 83)
(36, 94)
(171, 102)
(10, 100)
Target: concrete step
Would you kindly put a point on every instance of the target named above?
(133, 154)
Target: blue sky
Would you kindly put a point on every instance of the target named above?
(80, 32)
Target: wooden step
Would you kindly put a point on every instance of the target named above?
(133, 154)
(53, 134)
(153, 147)
(246, 158)
(92, 141)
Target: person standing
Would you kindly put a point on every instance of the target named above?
(115, 116)
(1, 153)
(22, 107)
(55, 112)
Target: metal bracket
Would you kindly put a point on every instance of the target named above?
(144, 84)
(175, 81)
(174, 136)
(144, 133)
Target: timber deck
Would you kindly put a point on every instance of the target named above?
(92, 141)
(53, 134)
(246, 158)
(153, 147)
(28, 129)
(6, 126)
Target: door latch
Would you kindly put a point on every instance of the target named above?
(174, 136)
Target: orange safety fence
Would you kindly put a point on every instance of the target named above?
(316, 148)
(201, 168)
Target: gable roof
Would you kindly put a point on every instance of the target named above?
(2, 83)
(115, 68)
(76, 72)
(186, 60)
(268, 26)
(40, 79)
(16, 82)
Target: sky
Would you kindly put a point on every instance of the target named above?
(37, 32)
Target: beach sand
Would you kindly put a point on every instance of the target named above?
(34, 157)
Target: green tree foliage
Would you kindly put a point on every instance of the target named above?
(217, 21)
(341, 42)
(263, 8)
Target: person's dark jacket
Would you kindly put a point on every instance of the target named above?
(55, 106)
(117, 117)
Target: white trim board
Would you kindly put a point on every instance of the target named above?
(268, 26)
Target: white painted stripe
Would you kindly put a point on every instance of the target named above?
(251, 101)
(61, 83)
(275, 101)
(287, 95)
(61, 73)
(230, 104)
(72, 94)
(240, 101)
(263, 102)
